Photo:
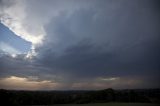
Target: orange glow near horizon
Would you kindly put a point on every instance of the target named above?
(22, 83)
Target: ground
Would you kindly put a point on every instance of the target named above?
(109, 104)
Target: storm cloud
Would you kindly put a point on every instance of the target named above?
(91, 43)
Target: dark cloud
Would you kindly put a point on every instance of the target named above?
(106, 39)
(119, 42)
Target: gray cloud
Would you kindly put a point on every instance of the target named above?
(96, 39)
(120, 41)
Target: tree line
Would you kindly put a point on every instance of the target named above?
(15, 97)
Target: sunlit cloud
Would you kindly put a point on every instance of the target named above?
(108, 78)
(110, 82)
(13, 55)
(31, 54)
(22, 31)
(23, 83)
(15, 18)
(34, 83)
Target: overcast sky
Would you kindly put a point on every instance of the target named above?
(79, 44)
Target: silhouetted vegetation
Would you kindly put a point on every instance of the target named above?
(12, 97)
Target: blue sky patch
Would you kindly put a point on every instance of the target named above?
(9, 42)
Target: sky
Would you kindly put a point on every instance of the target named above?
(11, 43)
(79, 44)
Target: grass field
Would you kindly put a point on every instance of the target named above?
(109, 104)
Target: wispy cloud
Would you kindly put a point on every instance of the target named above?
(108, 78)
(23, 83)
(8, 48)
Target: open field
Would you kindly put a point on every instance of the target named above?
(107, 104)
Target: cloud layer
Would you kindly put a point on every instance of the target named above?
(90, 43)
